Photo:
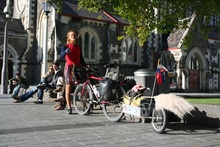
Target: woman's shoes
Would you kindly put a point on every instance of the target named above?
(69, 111)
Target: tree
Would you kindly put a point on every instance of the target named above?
(58, 4)
(163, 15)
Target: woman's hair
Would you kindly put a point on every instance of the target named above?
(68, 34)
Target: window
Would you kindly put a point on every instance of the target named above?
(88, 40)
(194, 63)
(214, 20)
(167, 60)
(130, 49)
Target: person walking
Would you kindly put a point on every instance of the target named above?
(73, 57)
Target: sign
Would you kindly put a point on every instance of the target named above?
(136, 111)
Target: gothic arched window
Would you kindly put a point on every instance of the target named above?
(88, 40)
(130, 51)
(194, 62)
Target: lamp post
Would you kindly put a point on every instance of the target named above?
(46, 6)
(4, 79)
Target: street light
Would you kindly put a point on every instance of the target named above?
(4, 79)
(46, 7)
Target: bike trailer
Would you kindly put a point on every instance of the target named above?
(140, 106)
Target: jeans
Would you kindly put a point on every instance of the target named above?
(26, 96)
(29, 94)
(17, 89)
(40, 93)
(44, 80)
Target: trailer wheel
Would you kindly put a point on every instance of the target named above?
(159, 120)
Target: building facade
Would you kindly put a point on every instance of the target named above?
(195, 68)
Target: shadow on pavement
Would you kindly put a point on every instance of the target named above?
(196, 123)
(189, 129)
(200, 118)
(52, 127)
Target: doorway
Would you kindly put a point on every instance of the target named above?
(193, 80)
(10, 68)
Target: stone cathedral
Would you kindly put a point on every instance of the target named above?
(193, 69)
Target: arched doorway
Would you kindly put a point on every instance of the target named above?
(196, 65)
(12, 61)
(10, 68)
(194, 68)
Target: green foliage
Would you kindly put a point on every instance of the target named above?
(59, 4)
(147, 15)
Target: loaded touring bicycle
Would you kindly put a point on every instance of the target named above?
(115, 102)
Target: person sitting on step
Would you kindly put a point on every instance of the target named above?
(39, 89)
(19, 82)
(61, 101)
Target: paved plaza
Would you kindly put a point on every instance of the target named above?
(30, 125)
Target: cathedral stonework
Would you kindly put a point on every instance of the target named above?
(195, 68)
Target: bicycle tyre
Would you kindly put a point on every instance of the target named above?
(159, 120)
(82, 101)
(113, 109)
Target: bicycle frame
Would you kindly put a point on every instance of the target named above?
(88, 82)
(91, 81)
(86, 97)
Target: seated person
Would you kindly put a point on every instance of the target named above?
(61, 101)
(39, 89)
(47, 78)
(19, 82)
(60, 96)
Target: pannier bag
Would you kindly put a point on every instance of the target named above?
(107, 89)
(80, 74)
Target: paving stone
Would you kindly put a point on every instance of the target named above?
(28, 124)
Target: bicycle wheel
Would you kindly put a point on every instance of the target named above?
(82, 99)
(159, 120)
(113, 109)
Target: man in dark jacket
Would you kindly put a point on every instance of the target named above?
(52, 85)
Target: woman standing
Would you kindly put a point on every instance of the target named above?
(73, 57)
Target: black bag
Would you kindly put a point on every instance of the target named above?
(107, 89)
(80, 73)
